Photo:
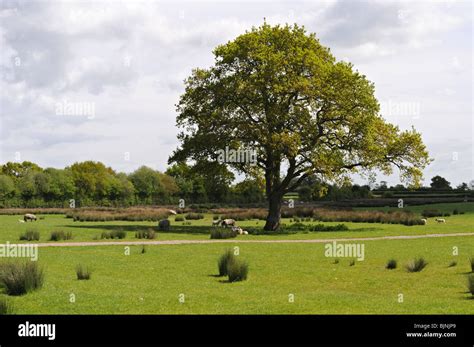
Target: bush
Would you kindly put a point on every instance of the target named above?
(322, 227)
(30, 235)
(223, 233)
(470, 283)
(224, 259)
(391, 264)
(20, 278)
(336, 261)
(143, 251)
(60, 235)
(237, 270)
(455, 211)
(115, 234)
(82, 272)
(416, 265)
(471, 260)
(164, 225)
(194, 216)
(6, 306)
(179, 219)
(145, 234)
(352, 262)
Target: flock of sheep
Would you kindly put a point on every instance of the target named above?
(229, 223)
(439, 220)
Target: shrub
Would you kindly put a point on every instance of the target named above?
(471, 260)
(224, 259)
(336, 261)
(194, 216)
(60, 235)
(115, 234)
(143, 249)
(20, 278)
(164, 225)
(222, 233)
(322, 227)
(30, 235)
(237, 270)
(416, 265)
(391, 264)
(470, 283)
(145, 234)
(453, 263)
(179, 219)
(82, 272)
(455, 211)
(352, 262)
(6, 306)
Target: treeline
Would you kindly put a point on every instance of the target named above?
(91, 183)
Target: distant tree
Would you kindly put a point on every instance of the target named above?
(383, 185)
(18, 170)
(250, 190)
(463, 186)
(439, 183)
(147, 184)
(92, 181)
(7, 187)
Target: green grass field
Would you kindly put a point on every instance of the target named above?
(152, 282)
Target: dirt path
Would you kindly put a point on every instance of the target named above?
(185, 242)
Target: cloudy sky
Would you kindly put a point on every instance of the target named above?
(99, 79)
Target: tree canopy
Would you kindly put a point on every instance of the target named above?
(277, 90)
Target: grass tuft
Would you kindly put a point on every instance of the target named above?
(416, 265)
(60, 235)
(470, 283)
(391, 264)
(20, 278)
(223, 261)
(82, 272)
(6, 307)
(237, 270)
(30, 235)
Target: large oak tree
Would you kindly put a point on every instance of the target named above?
(277, 90)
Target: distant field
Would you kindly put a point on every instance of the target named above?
(151, 282)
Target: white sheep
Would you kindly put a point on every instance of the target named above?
(424, 221)
(227, 222)
(441, 220)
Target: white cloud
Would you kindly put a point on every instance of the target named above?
(129, 59)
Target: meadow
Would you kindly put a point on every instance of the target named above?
(293, 278)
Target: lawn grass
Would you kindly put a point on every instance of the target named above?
(11, 228)
(151, 283)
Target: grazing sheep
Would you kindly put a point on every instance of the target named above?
(216, 222)
(164, 225)
(228, 222)
(441, 220)
(238, 230)
(424, 221)
(29, 217)
(172, 212)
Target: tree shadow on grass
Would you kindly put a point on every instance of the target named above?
(174, 229)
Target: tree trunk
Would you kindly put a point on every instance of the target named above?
(274, 212)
